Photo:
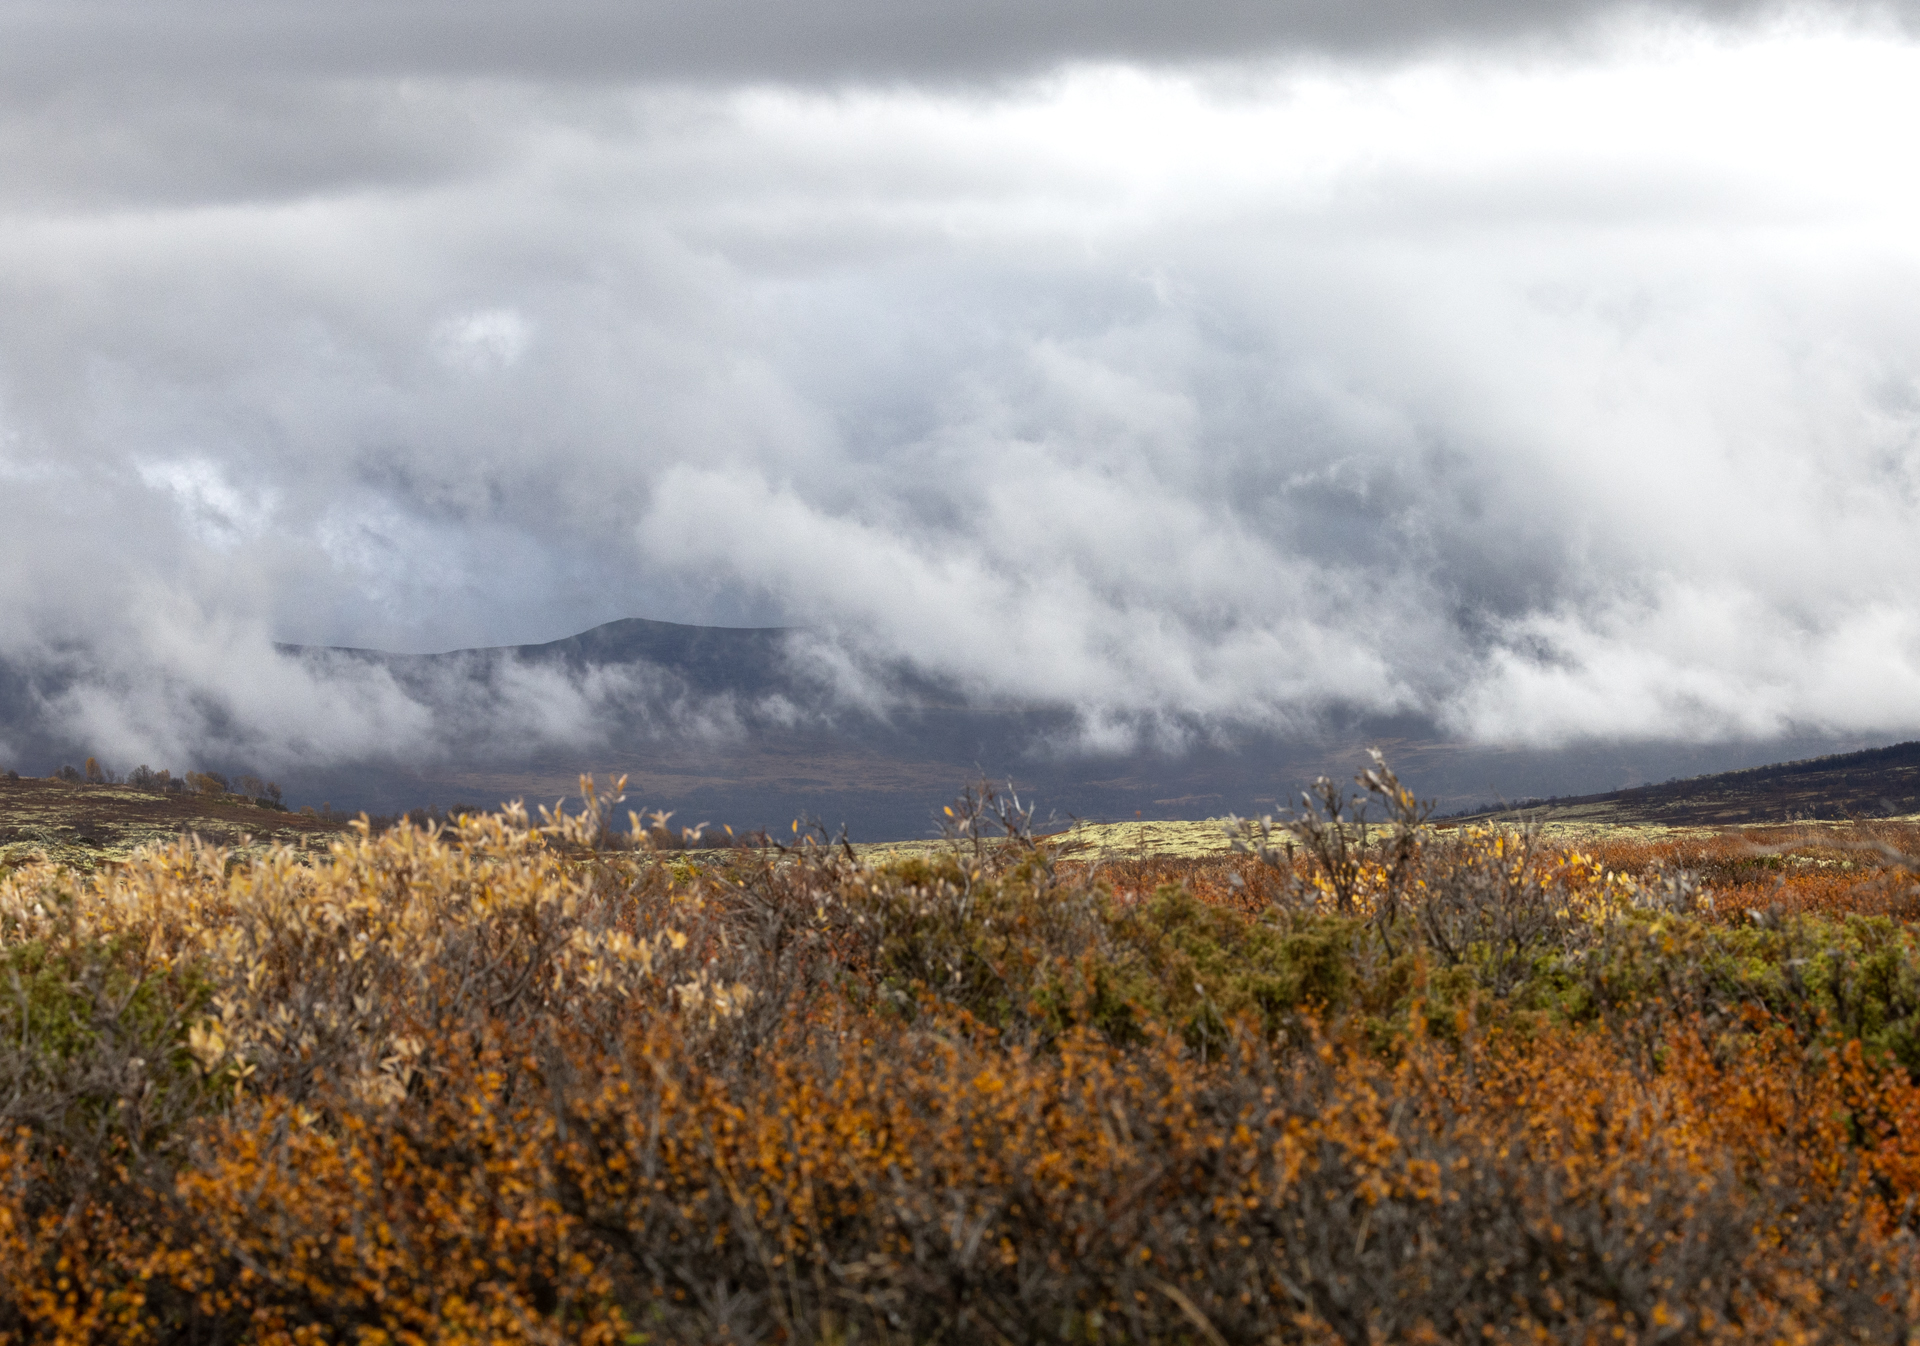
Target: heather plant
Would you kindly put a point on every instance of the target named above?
(500, 1078)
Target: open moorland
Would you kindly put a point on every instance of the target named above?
(1875, 783)
(84, 825)
(521, 1080)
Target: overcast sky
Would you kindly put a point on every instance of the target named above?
(1550, 370)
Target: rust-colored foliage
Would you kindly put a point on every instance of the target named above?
(1828, 870)
(494, 1083)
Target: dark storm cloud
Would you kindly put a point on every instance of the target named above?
(52, 42)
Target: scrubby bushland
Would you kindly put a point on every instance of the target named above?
(497, 1082)
(143, 777)
(163, 781)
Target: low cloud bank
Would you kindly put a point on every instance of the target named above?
(243, 705)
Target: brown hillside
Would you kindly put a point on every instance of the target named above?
(86, 825)
(1876, 783)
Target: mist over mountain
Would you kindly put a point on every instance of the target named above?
(1143, 402)
(751, 727)
(758, 727)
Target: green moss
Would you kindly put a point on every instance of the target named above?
(56, 1001)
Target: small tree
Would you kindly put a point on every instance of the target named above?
(95, 776)
(263, 790)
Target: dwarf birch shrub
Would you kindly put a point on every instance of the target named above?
(504, 1081)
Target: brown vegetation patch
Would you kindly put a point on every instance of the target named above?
(84, 825)
(505, 1083)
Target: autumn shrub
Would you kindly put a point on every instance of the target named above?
(502, 1080)
(207, 782)
(1863, 867)
(96, 1086)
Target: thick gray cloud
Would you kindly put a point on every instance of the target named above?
(1547, 393)
(53, 41)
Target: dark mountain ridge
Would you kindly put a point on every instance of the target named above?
(1871, 783)
(749, 660)
(748, 726)
(885, 772)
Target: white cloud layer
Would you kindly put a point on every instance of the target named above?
(1545, 392)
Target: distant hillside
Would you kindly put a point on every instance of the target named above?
(85, 825)
(787, 746)
(1874, 783)
(721, 725)
(747, 727)
(748, 661)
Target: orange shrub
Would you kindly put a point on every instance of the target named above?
(493, 1084)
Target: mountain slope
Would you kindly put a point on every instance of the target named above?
(710, 659)
(749, 727)
(85, 825)
(1876, 782)
(738, 726)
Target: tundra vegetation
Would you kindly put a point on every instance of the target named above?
(504, 1081)
(86, 820)
(145, 779)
